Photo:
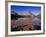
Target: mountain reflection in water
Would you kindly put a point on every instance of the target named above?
(36, 21)
(27, 21)
(23, 21)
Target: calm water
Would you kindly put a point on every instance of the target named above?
(24, 21)
(36, 21)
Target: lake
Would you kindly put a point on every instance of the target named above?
(25, 21)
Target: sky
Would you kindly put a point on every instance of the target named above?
(24, 10)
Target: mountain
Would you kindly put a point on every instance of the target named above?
(39, 16)
(14, 13)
